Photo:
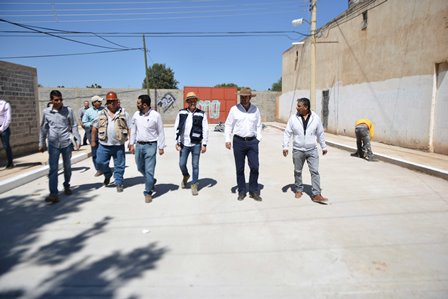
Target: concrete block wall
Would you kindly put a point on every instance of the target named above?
(169, 101)
(18, 86)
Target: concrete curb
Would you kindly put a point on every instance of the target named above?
(400, 162)
(32, 175)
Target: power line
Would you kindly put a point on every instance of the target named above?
(243, 5)
(71, 54)
(194, 10)
(54, 35)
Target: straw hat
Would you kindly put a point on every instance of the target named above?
(191, 95)
(247, 92)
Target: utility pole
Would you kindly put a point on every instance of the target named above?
(313, 56)
(146, 68)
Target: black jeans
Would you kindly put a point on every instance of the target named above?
(241, 150)
(5, 142)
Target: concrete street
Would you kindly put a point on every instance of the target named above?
(383, 235)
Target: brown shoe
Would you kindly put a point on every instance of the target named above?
(148, 198)
(98, 173)
(52, 198)
(298, 194)
(194, 189)
(319, 199)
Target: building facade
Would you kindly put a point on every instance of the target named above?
(18, 86)
(386, 60)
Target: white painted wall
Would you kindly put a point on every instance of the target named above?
(395, 106)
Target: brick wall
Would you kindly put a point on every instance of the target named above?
(18, 86)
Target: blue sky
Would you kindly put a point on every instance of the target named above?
(251, 59)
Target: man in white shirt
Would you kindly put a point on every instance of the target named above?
(244, 122)
(5, 131)
(147, 135)
(191, 137)
(305, 126)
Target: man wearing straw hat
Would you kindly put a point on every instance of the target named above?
(244, 122)
(191, 137)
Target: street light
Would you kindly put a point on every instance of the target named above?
(298, 22)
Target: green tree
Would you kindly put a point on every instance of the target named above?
(94, 86)
(160, 77)
(277, 86)
(227, 85)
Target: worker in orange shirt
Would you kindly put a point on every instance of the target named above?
(364, 132)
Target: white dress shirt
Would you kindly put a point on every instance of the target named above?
(243, 123)
(147, 127)
(5, 115)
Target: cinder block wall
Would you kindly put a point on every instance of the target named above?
(169, 100)
(18, 86)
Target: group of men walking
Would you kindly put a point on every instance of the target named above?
(109, 128)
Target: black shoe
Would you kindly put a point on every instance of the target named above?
(354, 154)
(106, 181)
(255, 196)
(67, 191)
(9, 165)
(120, 188)
(241, 196)
(52, 198)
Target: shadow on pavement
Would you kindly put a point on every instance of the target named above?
(206, 183)
(102, 277)
(306, 189)
(57, 251)
(162, 189)
(235, 188)
(81, 169)
(21, 221)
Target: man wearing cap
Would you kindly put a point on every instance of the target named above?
(244, 122)
(89, 116)
(191, 137)
(81, 112)
(58, 122)
(112, 130)
(147, 135)
(305, 127)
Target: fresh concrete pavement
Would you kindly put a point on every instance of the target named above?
(383, 235)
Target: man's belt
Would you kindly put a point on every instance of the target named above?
(146, 142)
(244, 138)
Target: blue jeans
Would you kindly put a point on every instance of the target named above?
(241, 150)
(183, 157)
(312, 158)
(53, 161)
(103, 155)
(5, 141)
(145, 158)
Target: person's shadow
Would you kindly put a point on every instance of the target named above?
(234, 189)
(206, 183)
(160, 189)
(291, 187)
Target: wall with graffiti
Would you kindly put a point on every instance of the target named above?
(215, 101)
